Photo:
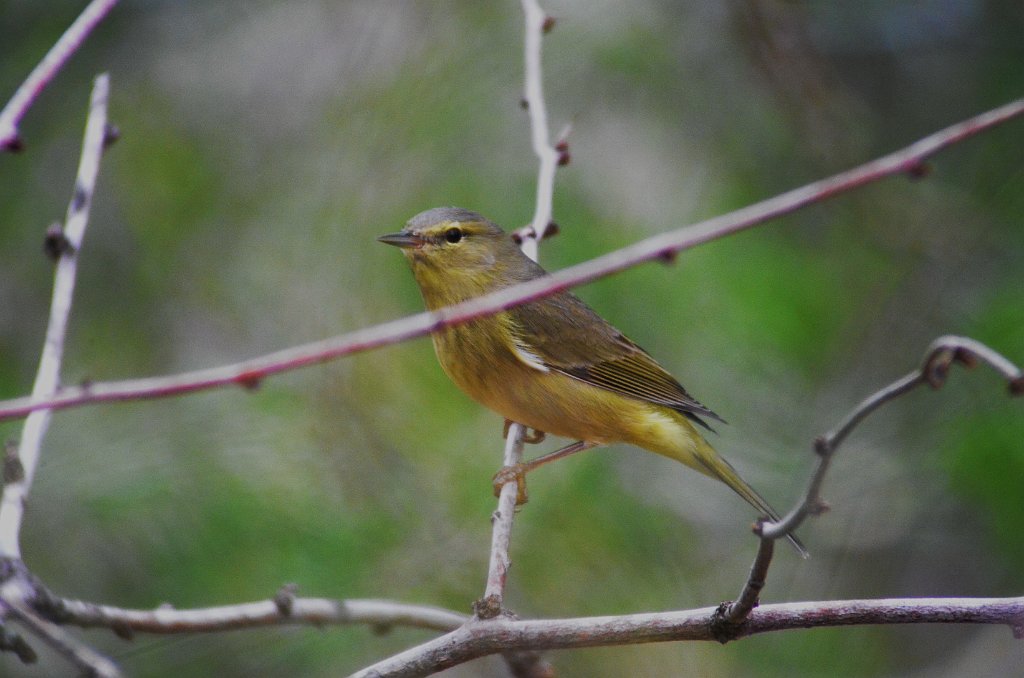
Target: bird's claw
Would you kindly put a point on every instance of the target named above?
(508, 474)
(531, 436)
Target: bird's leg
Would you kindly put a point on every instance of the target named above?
(531, 437)
(517, 472)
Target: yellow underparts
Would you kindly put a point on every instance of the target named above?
(550, 401)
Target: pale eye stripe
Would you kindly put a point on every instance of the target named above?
(528, 357)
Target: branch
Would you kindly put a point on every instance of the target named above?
(537, 24)
(64, 244)
(522, 664)
(45, 71)
(479, 639)
(283, 610)
(491, 605)
(250, 373)
(17, 593)
(933, 371)
(728, 616)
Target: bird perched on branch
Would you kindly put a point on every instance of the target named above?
(553, 364)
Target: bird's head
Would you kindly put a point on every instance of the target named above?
(456, 254)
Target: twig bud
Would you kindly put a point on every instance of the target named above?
(284, 599)
(55, 243)
(563, 153)
(488, 607)
(13, 469)
(111, 134)
(550, 231)
(15, 144)
(668, 256)
(250, 381)
(1017, 386)
(918, 169)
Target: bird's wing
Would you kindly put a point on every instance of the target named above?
(566, 335)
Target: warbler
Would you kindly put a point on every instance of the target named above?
(553, 365)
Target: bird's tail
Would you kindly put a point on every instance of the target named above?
(713, 464)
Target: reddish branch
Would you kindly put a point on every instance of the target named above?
(45, 71)
(663, 247)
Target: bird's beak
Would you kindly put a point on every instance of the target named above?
(401, 239)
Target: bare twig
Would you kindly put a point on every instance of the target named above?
(942, 353)
(501, 532)
(16, 593)
(523, 664)
(663, 247)
(491, 604)
(479, 639)
(538, 23)
(16, 490)
(380, 614)
(731, 614)
(45, 71)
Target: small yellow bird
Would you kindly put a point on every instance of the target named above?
(553, 364)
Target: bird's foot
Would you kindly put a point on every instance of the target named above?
(531, 437)
(508, 474)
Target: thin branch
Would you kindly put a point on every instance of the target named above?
(45, 71)
(479, 639)
(16, 488)
(501, 534)
(663, 247)
(15, 593)
(380, 614)
(732, 614)
(933, 371)
(537, 24)
(501, 531)
(523, 664)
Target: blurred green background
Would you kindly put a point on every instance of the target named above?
(264, 146)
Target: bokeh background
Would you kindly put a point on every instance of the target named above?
(264, 146)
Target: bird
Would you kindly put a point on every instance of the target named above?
(553, 364)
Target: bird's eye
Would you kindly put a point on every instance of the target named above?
(453, 235)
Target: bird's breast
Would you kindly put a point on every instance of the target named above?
(483, 360)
